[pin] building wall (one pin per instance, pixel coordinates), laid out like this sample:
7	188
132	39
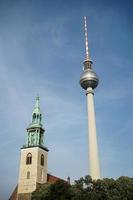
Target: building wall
14	194
38	173
26	196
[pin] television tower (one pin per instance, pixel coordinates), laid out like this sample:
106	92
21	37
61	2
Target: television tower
89	81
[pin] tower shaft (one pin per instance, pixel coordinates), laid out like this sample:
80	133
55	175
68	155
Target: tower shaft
92	137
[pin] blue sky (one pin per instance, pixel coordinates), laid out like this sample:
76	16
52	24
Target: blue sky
41	52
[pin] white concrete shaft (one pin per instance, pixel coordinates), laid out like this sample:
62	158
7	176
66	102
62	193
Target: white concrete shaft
92	137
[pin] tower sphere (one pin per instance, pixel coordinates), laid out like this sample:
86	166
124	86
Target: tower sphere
89	79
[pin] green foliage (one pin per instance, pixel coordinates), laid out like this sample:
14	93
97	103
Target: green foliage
41	192
60	190
86	189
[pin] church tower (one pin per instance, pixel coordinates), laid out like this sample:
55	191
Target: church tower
33	162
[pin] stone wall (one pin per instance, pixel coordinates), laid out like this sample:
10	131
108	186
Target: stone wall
26	196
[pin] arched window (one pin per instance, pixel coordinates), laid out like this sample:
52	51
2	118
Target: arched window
42	159
28	175
29	159
34	116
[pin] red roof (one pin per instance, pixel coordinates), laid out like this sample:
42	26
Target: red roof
53	179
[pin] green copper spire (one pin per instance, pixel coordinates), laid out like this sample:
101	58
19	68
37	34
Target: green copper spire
35	131
37	106
36	115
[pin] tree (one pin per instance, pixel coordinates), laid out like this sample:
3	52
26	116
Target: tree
87	189
60	190
42	192
125	187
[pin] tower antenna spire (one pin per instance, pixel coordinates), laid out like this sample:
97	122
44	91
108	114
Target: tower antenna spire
86	41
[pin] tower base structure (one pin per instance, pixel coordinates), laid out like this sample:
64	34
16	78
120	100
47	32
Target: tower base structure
27	196
33	170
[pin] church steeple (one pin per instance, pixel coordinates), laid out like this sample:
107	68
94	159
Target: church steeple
36	115
35	131
34	155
